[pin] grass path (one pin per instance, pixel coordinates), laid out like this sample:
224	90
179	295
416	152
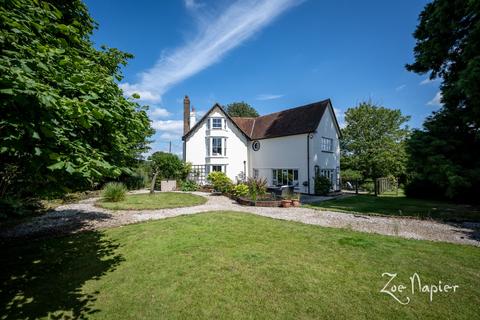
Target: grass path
86	216
232	265
160	200
401	206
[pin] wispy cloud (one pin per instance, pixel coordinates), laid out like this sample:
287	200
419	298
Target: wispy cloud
224	32
436	101
192	4
401	87
263	97
428	81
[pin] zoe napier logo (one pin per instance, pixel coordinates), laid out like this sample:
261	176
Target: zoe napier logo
402	291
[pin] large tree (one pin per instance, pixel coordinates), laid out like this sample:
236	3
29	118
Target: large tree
445	155
167	166
373	141
64	121
241	109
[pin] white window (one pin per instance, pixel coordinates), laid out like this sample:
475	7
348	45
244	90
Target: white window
217	146
327	144
330	175
216	123
255	173
216	167
285	177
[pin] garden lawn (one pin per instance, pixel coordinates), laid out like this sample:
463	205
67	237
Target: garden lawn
393	205
226	265
159	200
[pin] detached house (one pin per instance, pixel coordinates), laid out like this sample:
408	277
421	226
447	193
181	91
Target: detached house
288	147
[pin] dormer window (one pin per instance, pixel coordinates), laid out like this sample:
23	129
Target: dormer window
216	123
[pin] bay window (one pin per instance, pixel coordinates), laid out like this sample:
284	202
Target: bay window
217	146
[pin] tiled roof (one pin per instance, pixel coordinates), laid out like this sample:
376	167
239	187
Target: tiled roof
298	120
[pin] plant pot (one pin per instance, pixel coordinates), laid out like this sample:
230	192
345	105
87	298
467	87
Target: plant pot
296	203
286	203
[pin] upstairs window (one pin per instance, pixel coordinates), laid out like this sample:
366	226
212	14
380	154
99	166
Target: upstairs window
327	144
216	123
216	146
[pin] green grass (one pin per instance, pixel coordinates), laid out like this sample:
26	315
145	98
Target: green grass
231	265
161	200
393	205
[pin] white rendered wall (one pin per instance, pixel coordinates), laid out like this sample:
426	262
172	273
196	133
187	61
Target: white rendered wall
196	147
325	160
289	152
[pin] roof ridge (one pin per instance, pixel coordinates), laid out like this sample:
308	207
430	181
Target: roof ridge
306	105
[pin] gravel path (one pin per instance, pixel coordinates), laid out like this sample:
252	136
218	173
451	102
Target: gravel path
85	216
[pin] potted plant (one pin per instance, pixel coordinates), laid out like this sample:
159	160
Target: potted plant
296	200
287	201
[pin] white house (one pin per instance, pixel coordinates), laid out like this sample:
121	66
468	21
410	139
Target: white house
288	147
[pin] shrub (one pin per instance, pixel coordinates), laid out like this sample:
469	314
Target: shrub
423	189
114	192
257	187
15	207
188	185
368	186
220	181
322	185
240	190
134	182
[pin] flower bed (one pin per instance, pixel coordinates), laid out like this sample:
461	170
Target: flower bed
269	202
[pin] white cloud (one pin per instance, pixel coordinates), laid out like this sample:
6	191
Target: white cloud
340	117
436	101
146	95
159	112
169	136
192	4
263	97
172	126
401	87
224	32
428	81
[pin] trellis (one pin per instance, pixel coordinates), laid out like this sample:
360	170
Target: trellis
198	174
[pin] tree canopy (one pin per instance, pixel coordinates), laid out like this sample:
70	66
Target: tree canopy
445	154
241	109
373	141
64	121
167	166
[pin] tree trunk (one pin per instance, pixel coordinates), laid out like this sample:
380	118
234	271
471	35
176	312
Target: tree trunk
375	185
152	186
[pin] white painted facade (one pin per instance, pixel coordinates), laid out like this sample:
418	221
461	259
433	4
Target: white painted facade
198	148
298	156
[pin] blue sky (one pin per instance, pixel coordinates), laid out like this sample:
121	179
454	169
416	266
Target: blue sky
272	54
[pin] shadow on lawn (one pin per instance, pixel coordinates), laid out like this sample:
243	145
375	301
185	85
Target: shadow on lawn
44	278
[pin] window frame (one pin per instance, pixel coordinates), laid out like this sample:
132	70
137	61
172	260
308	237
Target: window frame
327	144
217	147
282	177
212	123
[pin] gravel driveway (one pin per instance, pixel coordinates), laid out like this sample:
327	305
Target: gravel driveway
85	216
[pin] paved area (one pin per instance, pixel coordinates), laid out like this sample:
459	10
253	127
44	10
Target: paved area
84	215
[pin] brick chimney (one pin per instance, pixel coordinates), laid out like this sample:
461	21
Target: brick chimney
186	115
